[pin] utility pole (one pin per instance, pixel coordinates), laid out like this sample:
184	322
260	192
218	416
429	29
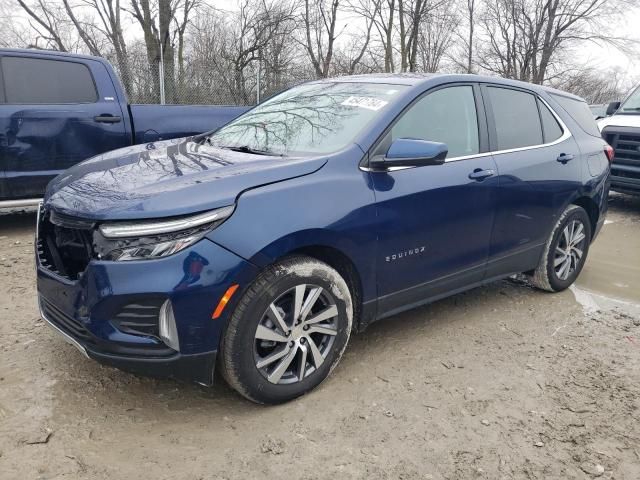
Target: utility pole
258	75
161	73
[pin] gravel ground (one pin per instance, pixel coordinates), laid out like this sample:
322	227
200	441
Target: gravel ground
500	382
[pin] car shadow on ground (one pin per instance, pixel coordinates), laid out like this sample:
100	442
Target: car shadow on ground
431	324
625	204
14	222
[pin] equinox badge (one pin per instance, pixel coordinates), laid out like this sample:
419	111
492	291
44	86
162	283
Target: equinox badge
406	253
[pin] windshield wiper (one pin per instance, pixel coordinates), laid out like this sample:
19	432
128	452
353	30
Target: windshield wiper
251	150
631	109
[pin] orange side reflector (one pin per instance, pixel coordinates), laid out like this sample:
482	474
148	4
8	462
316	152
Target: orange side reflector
224	300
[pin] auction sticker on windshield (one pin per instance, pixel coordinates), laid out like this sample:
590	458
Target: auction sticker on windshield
370	103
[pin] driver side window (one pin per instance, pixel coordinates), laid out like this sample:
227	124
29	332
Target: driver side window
448	116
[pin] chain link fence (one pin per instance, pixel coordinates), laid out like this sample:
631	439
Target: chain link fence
196	84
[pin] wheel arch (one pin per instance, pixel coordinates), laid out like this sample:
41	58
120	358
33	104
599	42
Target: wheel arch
592	209
339	253
341	263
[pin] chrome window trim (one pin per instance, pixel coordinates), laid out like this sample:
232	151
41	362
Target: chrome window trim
566	134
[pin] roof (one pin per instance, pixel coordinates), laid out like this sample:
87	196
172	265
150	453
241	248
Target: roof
415	79
51	53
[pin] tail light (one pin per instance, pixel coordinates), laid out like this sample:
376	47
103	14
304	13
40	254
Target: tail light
609	152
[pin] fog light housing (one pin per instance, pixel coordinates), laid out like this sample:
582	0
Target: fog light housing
168	329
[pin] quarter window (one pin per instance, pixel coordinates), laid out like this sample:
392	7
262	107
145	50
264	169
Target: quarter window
579	111
516	118
550	126
40	81
448	116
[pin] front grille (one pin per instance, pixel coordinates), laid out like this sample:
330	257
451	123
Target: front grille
63	244
64	322
76	329
626	144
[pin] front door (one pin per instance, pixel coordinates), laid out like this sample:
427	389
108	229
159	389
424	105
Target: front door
53	117
435	222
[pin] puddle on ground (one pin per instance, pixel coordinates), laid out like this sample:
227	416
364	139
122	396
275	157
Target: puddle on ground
591	302
613	265
611	276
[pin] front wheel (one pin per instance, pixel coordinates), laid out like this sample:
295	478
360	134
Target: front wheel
288	331
565	251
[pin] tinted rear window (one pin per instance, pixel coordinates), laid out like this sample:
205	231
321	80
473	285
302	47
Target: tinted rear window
580	112
40	81
516	117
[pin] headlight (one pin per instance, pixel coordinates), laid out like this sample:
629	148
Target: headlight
154	250
122	241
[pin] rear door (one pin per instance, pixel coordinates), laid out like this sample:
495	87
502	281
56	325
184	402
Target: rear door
539	171
434	222
56	112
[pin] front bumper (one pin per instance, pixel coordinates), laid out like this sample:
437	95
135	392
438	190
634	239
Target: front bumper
625	179
625	168
197	368
86	311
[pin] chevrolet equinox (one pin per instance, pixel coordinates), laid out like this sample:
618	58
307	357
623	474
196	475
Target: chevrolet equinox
256	249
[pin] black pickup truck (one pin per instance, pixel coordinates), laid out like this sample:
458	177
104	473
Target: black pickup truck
57	109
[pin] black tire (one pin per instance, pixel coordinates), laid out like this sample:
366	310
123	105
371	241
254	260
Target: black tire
545	276
240	349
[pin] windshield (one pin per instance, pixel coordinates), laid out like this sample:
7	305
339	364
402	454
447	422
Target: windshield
631	104
314	118
598	110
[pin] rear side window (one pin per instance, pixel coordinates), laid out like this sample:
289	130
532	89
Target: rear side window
550	126
580	112
41	81
516	118
448	116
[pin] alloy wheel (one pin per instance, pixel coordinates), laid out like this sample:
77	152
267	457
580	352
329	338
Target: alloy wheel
295	334
569	249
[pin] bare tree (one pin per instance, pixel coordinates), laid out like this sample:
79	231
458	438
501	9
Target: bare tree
109	26
468	42
351	58
411	14
230	45
320	19
186	8
525	37
596	86
48	21
435	37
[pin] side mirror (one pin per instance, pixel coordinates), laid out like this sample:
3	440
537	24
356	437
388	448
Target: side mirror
612	108
410	152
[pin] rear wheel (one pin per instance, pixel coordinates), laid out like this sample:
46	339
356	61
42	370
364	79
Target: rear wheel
288	331
565	251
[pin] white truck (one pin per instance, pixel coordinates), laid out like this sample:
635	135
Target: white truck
621	129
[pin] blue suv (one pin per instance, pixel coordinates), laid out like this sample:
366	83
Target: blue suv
258	248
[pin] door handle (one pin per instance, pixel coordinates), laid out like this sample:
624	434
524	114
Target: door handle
563	158
479	174
105	118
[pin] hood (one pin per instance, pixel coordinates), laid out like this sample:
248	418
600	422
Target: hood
620	121
163	179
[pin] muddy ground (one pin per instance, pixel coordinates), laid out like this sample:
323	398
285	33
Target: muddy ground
500	382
